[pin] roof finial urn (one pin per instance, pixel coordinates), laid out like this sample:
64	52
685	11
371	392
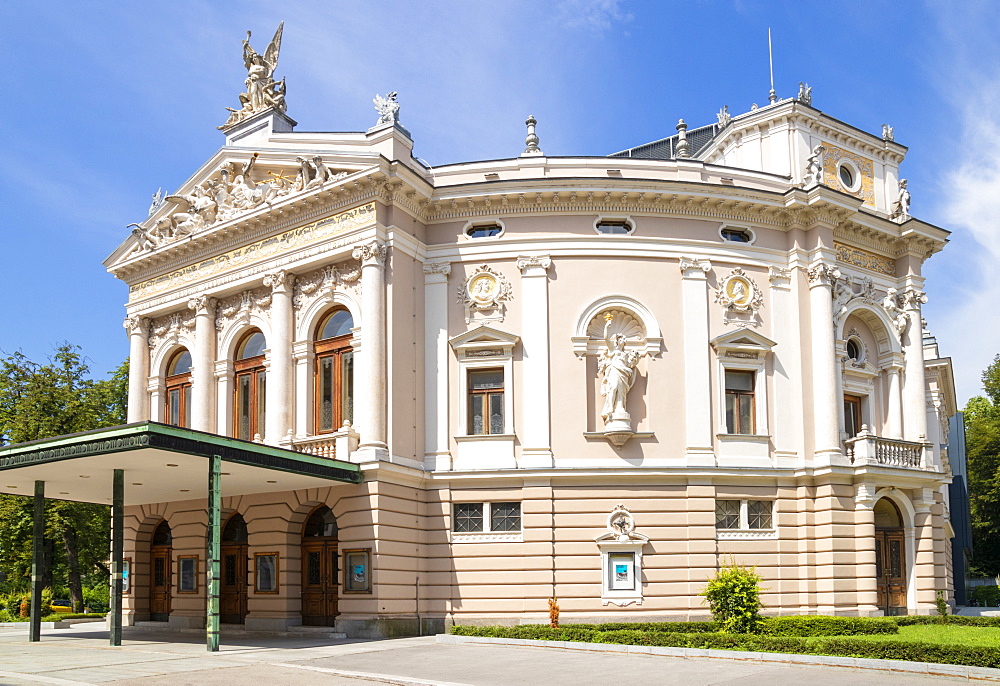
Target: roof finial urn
531	140
682	141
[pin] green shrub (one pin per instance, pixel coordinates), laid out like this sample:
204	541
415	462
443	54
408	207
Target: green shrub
986	596
827	626
5	616
671	627
733	595
46	600
959	620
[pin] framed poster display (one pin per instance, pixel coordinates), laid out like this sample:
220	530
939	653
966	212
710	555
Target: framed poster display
265	567
357	571
621	571
187	574
126	575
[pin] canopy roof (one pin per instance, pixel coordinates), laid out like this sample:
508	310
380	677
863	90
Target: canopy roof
162	463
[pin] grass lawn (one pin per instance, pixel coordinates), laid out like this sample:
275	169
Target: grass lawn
942	633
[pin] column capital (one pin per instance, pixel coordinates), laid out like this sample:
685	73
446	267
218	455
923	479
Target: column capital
534	265
822	275
136	326
202	305
694	268
437	268
779	277
279	281
370	254
913	298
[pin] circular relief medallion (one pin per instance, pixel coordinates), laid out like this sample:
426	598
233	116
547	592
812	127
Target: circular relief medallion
739	291
484	289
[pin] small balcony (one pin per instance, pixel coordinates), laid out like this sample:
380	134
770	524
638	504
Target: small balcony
334	446
868	449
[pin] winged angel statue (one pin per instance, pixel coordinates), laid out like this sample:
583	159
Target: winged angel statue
387	107
263	92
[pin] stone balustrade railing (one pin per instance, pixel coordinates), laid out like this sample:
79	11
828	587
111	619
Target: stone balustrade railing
337	445
868	449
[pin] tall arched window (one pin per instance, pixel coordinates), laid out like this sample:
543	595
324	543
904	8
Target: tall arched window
251	384
334	372
177	410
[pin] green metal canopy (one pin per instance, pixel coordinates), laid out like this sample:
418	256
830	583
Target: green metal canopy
161	463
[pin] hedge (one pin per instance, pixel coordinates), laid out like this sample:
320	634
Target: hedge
975	656
910	620
819	625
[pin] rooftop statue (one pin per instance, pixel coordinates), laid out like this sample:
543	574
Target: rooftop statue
262	92
388	109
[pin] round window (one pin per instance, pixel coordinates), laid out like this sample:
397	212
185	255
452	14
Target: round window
855	351
846	176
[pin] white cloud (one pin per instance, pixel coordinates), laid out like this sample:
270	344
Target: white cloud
595	15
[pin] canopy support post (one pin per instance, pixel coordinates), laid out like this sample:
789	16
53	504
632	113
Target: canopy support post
37	562
117	554
213	553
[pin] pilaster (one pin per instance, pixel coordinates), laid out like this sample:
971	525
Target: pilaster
372	391
699	448
437	455
536	449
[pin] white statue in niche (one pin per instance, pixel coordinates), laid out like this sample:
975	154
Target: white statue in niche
617	369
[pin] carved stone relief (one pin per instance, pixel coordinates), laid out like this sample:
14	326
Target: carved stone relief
740	298
238	308
485	294
323	283
167	329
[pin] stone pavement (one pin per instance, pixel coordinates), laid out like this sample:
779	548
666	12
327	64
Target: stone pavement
82	656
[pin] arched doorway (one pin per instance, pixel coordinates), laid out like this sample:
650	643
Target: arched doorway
235	547
159	573
319	568
890	558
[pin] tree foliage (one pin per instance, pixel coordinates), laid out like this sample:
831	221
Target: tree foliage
982	447
41	400
733	595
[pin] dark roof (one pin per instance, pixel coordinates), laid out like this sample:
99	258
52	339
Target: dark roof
665	148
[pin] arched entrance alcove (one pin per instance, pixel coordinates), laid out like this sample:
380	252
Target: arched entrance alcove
160	554
235	547
890	558
319	568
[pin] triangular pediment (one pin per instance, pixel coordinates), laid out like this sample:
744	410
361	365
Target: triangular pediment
744	340
484	338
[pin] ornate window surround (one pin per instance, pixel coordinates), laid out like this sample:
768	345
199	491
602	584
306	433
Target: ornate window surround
743	350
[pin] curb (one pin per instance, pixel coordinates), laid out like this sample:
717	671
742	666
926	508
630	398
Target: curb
961	672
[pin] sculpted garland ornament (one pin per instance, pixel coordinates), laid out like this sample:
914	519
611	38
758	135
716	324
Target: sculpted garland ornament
737	293
486	290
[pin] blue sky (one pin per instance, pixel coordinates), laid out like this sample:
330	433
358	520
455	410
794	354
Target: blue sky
106	102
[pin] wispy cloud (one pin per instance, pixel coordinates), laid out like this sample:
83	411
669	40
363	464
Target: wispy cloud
594	15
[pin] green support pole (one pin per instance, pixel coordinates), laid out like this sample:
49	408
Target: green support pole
117	554
37	560
213	552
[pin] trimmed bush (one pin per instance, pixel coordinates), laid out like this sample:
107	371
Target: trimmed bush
733	595
958	620
827	626
986	596
975	656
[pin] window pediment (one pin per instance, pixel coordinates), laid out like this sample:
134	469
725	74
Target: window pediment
742	343
484	341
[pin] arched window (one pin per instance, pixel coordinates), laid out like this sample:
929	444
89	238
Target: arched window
177	410
334	401
235	530
321	523
162	535
251	383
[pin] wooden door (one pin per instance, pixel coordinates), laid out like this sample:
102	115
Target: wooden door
319	581
890	570
159	583
233	596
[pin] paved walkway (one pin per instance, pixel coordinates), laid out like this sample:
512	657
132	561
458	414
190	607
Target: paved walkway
82	656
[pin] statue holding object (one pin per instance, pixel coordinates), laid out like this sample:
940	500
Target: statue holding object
262	91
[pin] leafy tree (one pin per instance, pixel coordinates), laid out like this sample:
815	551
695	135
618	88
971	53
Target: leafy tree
40	401
733	595
982	441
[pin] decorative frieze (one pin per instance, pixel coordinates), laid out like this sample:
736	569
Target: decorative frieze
238	308
167	329
857	257
323	283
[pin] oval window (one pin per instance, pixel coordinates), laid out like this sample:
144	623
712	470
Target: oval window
854	350
846	176
736	235
614	227
483	231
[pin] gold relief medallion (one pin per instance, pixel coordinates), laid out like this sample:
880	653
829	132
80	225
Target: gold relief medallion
739	291
740	298
483	289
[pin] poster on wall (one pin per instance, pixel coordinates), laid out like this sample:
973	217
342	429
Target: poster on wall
188	576
358	571
621	572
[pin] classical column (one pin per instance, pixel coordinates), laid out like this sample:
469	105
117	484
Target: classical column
279	377
203	357
436	440
894	425
536	449
826	433
697	379
138	368
213	553
914	393
372	391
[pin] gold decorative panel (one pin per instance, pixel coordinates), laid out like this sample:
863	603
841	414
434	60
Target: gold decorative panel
864	259
831	160
257	251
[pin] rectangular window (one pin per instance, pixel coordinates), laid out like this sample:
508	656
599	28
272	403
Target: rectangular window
852	415
487	518
486	402
187	574
265	572
740	402
744	515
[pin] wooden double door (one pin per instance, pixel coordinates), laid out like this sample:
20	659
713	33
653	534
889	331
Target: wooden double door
159	583
233	594
890	570
319	581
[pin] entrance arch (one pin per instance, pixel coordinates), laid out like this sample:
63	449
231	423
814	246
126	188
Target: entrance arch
890	558
319	568
160	554
235	549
